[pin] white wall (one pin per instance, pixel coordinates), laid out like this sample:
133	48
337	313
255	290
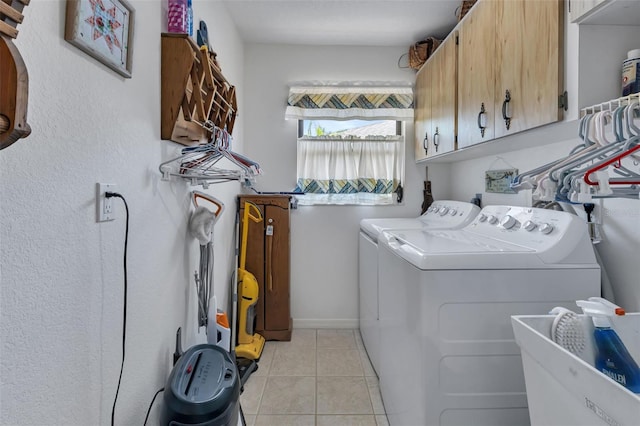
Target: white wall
62	273
324	239
602	49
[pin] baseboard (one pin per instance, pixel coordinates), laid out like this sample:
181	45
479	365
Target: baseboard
325	323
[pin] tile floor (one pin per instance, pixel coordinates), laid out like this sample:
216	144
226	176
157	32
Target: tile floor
319	378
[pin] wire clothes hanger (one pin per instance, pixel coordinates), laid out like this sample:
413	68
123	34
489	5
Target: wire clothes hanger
199	163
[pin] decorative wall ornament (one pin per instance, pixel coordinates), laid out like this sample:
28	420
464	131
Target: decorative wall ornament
14	79
499	181
102	29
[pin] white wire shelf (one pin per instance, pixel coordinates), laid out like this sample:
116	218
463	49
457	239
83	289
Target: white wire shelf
610	105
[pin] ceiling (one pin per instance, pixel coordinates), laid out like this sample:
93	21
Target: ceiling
342	22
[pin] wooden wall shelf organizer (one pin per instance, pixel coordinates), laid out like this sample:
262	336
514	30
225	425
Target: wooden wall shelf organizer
195	95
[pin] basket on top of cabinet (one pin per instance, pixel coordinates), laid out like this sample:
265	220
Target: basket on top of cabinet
195	96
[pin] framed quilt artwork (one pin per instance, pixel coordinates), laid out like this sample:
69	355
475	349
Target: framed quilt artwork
102	29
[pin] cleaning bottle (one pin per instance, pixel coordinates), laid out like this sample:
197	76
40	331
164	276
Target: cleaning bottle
613	358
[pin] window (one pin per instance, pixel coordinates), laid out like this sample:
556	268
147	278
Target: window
349	162
350	147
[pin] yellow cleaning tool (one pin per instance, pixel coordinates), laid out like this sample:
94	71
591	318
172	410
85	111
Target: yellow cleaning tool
250	344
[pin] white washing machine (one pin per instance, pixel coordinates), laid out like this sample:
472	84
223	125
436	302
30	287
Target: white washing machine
440	215
447	350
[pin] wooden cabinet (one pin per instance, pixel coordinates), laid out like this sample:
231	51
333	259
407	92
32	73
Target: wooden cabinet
510	68
435	98
268	259
529	77
422	117
443	98
476	75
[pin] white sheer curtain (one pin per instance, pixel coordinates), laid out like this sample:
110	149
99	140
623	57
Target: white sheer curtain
344	171
363	170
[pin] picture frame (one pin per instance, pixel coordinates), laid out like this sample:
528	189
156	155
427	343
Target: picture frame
102	29
499	181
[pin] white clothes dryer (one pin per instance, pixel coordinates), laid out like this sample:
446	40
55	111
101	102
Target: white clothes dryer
448	355
440	215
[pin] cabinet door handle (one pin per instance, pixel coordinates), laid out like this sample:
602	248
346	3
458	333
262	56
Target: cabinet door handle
425	143
482	120
436	139
506	109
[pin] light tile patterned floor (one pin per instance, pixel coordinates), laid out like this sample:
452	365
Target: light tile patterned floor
319	378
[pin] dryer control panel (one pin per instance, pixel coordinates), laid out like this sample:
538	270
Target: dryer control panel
449	214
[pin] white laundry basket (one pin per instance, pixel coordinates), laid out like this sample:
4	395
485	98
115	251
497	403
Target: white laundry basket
563	389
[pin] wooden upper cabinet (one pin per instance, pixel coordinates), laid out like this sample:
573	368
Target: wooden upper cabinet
435	100
443	98
476	75
422	124
529	64
505	75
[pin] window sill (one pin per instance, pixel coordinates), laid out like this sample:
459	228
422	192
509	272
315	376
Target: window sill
361	199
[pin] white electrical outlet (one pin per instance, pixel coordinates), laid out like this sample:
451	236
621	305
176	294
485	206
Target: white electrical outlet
104	205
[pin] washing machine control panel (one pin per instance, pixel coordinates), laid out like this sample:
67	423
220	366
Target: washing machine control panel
530	227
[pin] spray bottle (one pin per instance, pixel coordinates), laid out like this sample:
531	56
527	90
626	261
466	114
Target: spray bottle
613	358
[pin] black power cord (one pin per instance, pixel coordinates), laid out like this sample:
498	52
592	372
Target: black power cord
124	315
151	405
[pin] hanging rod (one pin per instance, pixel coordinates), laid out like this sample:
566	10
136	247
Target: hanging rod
610	105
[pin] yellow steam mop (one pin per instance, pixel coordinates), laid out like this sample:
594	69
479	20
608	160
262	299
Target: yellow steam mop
250	344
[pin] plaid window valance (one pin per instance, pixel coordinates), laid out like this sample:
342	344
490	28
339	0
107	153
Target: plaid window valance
341	102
